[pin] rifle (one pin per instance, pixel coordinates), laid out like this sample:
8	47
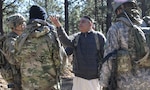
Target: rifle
112	79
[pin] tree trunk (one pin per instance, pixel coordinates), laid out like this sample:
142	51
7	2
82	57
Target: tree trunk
96	13
109	14
66	17
1	18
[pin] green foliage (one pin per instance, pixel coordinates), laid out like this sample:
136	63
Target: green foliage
92	8
97	9
8	8
11	6
51	6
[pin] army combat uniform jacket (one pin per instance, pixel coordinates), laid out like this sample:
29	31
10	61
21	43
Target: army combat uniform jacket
129	77
10	71
38	57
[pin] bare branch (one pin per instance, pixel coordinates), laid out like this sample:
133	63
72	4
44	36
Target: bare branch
9	4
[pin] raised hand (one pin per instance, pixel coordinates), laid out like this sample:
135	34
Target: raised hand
55	21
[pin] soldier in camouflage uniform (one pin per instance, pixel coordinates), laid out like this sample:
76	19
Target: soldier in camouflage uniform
38	53
9	71
129	75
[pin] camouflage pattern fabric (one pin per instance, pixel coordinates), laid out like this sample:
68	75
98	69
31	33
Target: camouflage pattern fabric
14	20
136	79
8	47
39	60
9	71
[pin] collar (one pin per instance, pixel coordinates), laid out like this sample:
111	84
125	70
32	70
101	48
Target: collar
125	20
88	31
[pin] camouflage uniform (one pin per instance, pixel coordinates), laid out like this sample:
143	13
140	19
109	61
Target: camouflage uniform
137	79
9	70
38	57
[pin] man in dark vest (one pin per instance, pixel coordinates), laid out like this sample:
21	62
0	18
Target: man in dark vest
86	57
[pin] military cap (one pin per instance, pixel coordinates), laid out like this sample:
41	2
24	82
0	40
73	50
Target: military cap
15	20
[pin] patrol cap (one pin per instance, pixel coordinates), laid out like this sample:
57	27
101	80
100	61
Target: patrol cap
15	20
117	3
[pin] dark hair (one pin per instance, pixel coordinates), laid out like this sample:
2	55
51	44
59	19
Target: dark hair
89	18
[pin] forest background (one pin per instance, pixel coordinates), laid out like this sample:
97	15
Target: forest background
69	11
